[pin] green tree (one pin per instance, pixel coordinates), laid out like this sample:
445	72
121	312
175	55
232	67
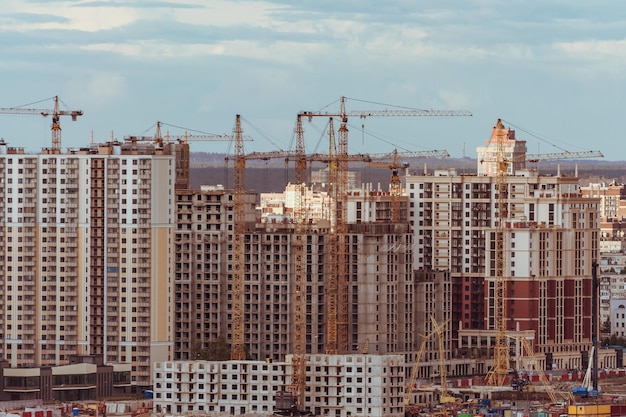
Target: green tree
606	326
219	350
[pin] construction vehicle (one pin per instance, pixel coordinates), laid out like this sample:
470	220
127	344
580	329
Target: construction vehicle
444	397
438	329
55	112
505	166
524	382
586	389
589	387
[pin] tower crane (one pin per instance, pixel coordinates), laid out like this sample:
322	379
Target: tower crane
298	284
504	166
297	385
392	161
337	284
238	351
55	112
182	155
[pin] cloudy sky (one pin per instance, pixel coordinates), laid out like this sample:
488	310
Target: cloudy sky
555	70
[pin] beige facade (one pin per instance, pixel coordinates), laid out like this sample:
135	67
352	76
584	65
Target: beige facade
612	199
85	255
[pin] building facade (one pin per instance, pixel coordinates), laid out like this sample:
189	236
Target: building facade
337	385
612	199
379	280
84	255
551	241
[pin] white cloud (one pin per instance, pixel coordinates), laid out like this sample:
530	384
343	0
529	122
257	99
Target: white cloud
195	61
101	87
88	19
594	50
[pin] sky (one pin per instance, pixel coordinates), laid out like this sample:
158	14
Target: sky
553	70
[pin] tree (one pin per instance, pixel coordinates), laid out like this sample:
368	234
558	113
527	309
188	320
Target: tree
219	350
606	326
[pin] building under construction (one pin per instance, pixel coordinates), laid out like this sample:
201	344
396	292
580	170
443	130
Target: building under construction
405	282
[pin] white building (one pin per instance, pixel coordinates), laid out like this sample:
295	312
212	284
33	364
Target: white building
279	207
234	387
612	275
514	150
337	385
618	317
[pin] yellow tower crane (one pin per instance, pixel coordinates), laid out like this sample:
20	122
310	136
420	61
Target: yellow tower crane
238	351
298	283
55	112
337	283
504	166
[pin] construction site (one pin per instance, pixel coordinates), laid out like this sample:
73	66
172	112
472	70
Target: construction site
444	293
364	312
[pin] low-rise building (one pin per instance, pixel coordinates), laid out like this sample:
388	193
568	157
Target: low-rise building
337	385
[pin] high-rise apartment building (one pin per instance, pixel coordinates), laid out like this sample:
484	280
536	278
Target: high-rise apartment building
379	278
551	241
612	199
85	254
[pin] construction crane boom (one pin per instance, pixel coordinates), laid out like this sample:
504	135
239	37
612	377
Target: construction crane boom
206	137
337	281
563	155
55	112
160	139
387	113
539	157
438	329
444	397
408	391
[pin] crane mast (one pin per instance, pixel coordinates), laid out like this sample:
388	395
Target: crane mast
238	351
334	275
500	368
298	283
